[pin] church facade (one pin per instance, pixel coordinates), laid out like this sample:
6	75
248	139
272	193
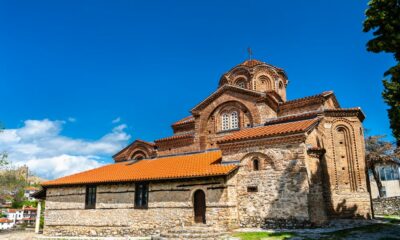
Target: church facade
245	157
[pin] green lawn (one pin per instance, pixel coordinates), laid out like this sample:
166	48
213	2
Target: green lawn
264	235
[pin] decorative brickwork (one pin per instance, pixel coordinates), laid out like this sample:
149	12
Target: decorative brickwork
279	164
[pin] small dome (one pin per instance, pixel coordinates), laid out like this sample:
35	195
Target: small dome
251	63
258	76
250	67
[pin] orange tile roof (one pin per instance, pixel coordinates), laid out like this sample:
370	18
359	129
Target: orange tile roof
173	167
271	130
174	137
5	220
184	120
31	188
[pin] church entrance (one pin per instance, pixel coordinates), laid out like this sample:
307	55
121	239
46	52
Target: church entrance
199	203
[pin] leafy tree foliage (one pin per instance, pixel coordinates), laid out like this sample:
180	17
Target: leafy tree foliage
380	152
383	19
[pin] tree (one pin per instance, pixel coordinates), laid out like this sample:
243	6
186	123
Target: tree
383	18
380	152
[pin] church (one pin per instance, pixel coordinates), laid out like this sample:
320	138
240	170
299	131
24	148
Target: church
244	157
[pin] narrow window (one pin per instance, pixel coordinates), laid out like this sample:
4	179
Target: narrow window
225	121
234	120
252	189
280	85
90	199
256	165
141	195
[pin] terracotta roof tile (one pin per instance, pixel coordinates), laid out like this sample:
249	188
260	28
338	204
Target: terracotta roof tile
172	167
187	119
5	220
30	188
314	98
174	137
270	130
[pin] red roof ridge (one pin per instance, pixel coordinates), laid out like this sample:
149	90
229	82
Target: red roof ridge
323	94
176	136
184	120
279	129
293	117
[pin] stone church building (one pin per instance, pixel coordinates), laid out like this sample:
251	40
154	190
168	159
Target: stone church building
245	157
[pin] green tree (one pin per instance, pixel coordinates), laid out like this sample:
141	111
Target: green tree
379	152
383	19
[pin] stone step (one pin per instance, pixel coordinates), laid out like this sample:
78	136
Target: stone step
192	235
194	232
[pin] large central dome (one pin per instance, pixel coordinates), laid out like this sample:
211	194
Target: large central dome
257	76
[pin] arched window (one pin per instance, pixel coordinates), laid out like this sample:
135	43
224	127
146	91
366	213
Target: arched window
234	120
256	165
280	85
225	121
241	84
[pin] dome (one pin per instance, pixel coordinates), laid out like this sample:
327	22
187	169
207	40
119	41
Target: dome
258	76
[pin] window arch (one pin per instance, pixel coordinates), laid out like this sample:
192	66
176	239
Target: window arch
266	82
234	120
230	120
241	84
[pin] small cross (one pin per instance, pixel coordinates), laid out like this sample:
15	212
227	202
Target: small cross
250	52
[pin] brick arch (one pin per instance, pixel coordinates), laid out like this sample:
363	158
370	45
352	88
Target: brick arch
217	105
239	73
344	129
138	150
264	160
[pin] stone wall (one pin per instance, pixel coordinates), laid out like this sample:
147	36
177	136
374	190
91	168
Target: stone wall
276	195
386	206
170	205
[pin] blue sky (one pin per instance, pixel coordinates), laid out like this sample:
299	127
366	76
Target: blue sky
83	64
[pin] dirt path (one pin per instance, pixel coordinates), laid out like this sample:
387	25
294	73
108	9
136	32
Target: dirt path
18	235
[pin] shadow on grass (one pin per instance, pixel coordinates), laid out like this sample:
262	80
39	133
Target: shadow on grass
366	231
265	235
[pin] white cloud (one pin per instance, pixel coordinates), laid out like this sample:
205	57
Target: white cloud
40	145
117	120
71	119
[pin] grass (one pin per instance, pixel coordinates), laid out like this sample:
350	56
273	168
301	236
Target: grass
264	235
392	218
342	234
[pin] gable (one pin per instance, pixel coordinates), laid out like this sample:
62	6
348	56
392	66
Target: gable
223	90
146	149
